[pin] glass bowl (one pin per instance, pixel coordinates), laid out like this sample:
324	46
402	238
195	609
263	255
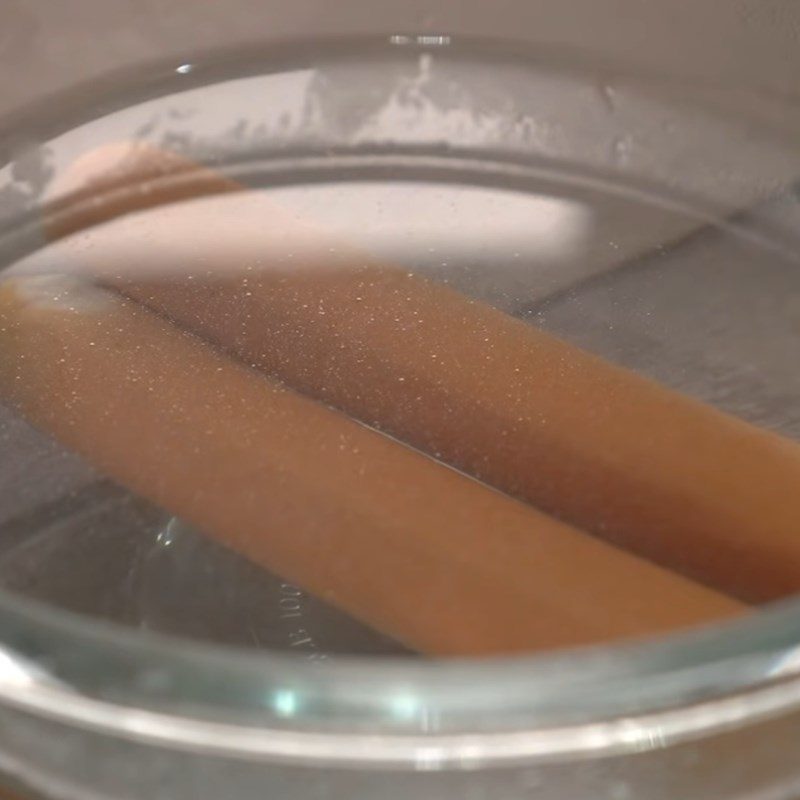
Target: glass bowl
563	186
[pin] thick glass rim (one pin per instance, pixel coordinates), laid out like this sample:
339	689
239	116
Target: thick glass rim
382	712
390	711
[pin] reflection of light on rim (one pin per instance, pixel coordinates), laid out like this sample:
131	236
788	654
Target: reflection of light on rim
405	706
285	702
410	708
167	536
787	663
13	672
429	40
19	672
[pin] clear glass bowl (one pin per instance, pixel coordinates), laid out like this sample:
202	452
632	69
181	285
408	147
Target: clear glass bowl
610	171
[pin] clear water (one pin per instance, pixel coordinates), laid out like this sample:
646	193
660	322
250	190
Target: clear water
710	310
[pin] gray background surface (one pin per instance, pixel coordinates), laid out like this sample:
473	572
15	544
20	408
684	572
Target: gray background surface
46	44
